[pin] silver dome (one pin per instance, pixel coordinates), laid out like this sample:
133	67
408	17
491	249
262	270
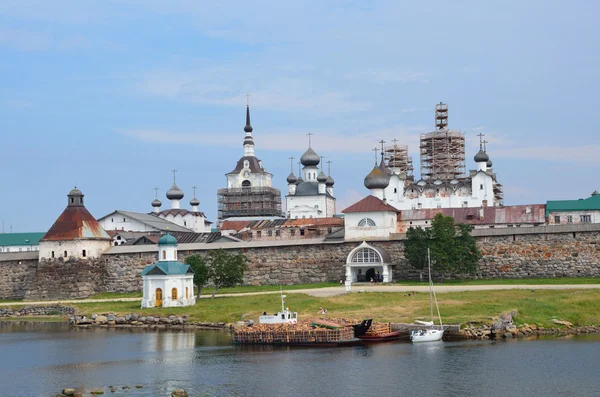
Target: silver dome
174	193
156	203
291	178
329	181
377	179
299	181
321	177
310	158
489	164
75	192
194	202
481	157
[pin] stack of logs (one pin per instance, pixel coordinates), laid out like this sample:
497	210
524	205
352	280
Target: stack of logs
290	333
379	328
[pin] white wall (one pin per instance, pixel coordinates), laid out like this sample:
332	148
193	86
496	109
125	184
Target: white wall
385	224
258	179
190	221
19	248
74	248
167	283
122	222
575	217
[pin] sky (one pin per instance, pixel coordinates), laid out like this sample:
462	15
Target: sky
111	95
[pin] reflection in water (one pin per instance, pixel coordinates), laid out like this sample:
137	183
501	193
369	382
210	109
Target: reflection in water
205	363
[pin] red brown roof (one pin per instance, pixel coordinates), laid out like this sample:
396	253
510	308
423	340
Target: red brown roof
370	204
75	223
234	225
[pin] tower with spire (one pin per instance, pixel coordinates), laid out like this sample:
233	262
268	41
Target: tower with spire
249	193
310	195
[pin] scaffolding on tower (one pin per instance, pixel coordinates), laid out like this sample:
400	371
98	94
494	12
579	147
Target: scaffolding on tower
398	161
442	150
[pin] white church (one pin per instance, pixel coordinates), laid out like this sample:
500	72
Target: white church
311	194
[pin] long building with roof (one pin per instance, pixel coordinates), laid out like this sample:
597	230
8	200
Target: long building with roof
249	192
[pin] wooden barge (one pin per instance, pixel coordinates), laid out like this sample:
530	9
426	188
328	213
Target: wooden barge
295	335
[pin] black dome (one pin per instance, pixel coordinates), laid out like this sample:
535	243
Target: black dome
481	157
377	179
310	158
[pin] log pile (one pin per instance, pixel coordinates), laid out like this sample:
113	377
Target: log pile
291	333
379	328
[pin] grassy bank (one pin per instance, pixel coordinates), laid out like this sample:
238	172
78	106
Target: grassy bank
515	281
534	306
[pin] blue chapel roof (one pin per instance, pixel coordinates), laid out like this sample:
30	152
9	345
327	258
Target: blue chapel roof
167	268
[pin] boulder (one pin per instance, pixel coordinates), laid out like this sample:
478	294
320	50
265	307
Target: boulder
100	320
111	317
179	393
68	392
134	317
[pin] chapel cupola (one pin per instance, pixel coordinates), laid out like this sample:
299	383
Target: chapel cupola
174	194
248	140
75	198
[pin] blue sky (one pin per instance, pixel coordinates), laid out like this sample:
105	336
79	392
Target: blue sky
112	95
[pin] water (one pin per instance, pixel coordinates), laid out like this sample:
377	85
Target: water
42	359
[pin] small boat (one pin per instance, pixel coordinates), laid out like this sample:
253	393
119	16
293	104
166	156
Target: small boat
285	316
378	332
431	332
384	337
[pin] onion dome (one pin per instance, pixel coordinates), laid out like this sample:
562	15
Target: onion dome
291	178
299	181
329	181
248	127
321	178
174	193
310	158
377	179
167	239
194	202
481	157
489	164
595	193
156	203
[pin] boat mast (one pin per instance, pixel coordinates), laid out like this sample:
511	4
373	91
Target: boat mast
282	297
430	284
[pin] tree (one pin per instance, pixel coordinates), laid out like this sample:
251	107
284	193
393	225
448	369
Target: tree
452	248
201	271
226	269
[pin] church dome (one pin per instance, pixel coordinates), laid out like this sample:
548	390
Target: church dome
322	177
377	179
329	181
174	193
481	157
291	178
75	192
167	239
310	158
194	202
299	181
489	163
156	203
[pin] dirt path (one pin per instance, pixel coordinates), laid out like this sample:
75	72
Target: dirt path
333	291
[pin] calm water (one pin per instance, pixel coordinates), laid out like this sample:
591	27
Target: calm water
42	359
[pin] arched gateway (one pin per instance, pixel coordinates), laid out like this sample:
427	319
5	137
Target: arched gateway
366	261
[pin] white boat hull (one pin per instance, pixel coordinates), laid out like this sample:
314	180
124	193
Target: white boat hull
430	335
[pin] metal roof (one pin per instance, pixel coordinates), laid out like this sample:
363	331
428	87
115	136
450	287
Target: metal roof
182	212
370	204
182	238
12	239
166	268
74	223
282	223
151	220
589	204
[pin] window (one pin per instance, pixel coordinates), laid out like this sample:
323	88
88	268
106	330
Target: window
118	237
246	183
395	190
51	254
480	187
65	254
277	232
184	223
329	230
164	254
439	206
302	232
174	294
365	255
419	205
258	234
83	253
72	201
585	218
270	233
366	222
556	218
569	219
21	250
123	219
292	232
112	220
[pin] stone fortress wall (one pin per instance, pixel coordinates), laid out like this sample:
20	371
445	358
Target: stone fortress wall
556	251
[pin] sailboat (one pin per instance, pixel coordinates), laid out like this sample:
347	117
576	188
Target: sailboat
431	332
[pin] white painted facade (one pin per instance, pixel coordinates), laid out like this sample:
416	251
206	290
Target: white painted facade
319	206
78	248
19	248
183	284
475	191
168	290
571	217
247	178
365	262
119	221
369	225
190	220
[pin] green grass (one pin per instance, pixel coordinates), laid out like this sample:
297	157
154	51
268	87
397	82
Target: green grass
116	295
534	306
266	288
519	281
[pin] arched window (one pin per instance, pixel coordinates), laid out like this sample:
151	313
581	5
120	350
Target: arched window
246	183
164	254
174	294
366	222
366	255
52	254
65	254
83	253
